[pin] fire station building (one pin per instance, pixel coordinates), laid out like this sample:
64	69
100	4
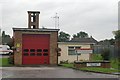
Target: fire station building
34	45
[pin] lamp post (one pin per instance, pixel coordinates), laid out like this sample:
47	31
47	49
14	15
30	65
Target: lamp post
76	54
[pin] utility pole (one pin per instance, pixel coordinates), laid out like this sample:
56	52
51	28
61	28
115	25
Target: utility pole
76	53
56	17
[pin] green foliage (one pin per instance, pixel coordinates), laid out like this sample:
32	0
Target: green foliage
107	42
105	54
117	34
103	70
81	35
63	37
112	41
94	69
67	65
115	63
6	39
10	60
96	57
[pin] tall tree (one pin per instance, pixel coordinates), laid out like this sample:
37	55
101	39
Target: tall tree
3	34
117	34
105	54
6	39
117	42
107	42
81	34
63	37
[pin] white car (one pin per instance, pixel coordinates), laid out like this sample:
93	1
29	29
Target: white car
5	49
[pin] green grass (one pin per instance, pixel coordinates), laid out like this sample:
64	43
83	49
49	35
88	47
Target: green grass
96	57
4	62
67	65
94	69
104	70
115	63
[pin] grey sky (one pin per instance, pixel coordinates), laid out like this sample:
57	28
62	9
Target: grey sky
96	17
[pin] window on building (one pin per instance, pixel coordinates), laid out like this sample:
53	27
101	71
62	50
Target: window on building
45	54
77	47
45	50
32	50
26	50
26	54
72	50
39	50
32	54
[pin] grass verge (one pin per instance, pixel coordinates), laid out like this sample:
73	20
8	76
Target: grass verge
93	69
4	62
102	70
67	65
115	63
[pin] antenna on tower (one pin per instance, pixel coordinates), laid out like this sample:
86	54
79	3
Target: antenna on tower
56	17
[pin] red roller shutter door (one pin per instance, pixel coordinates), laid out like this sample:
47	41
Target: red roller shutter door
35	49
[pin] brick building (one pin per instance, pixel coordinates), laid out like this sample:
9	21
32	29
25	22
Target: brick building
34	45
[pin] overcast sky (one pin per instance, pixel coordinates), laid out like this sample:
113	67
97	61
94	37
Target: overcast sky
96	17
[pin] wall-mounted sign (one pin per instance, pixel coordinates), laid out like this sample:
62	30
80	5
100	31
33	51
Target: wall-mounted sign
93	64
18	45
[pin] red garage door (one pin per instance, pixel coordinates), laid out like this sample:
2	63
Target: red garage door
35	49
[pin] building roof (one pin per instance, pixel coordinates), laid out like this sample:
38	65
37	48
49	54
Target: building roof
36	30
81	41
84	40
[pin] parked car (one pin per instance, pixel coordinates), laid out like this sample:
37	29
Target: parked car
5	49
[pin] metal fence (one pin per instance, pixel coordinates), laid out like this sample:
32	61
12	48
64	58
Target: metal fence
114	51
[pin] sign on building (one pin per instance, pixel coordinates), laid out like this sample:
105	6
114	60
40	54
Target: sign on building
93	64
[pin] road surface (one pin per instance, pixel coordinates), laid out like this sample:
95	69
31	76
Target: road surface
49	72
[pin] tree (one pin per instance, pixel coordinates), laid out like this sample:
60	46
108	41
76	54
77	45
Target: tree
3	34
105	54
6	39
117	34
107	42
117	43
63	37
81	35
112	41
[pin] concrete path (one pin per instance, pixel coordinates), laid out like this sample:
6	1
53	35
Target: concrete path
49	72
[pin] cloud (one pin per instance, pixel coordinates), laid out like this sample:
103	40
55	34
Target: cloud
97	17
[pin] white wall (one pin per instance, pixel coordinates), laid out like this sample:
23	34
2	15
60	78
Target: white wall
71	58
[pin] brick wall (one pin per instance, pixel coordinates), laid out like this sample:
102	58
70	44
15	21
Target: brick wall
18	45
84	64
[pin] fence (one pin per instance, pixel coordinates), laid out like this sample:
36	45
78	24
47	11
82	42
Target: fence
97	49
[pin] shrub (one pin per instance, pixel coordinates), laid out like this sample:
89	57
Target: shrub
96	57
115	63
105	54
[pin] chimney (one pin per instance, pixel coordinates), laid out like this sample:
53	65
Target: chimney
33	19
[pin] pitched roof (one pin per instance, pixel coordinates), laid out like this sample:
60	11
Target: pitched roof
84	40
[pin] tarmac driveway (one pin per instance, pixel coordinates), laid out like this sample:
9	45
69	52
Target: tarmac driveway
49	72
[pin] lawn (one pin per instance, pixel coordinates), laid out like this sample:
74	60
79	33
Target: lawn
93	69
67	65
4	62
115	63
103	70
